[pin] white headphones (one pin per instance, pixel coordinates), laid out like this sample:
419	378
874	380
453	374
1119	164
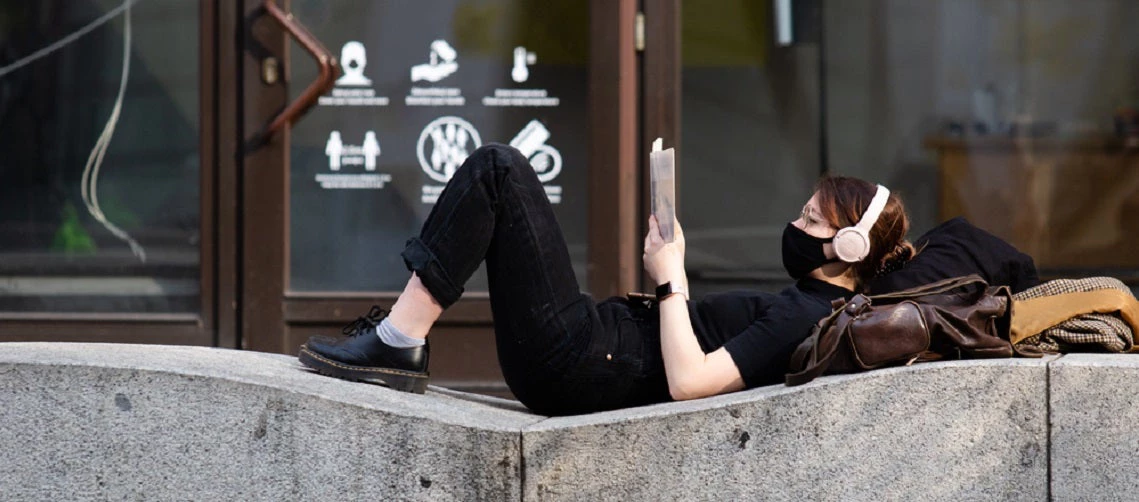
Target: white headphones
852	244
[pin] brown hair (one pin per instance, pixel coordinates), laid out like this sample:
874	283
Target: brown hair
843	200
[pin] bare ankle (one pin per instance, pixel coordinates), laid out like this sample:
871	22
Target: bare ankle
415	311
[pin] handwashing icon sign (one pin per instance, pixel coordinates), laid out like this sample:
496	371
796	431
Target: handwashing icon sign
439	66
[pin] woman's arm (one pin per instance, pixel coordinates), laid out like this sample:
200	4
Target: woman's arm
691	373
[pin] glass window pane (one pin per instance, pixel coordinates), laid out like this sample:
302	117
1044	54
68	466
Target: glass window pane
750	143
424	84
1026	125
99	207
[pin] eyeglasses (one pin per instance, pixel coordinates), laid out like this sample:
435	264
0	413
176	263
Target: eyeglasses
805	213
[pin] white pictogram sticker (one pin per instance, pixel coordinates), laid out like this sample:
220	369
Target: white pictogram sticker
341	156
522	62
333	148
353	88
371	150
441	63
520	73
531	141
353	59
443	146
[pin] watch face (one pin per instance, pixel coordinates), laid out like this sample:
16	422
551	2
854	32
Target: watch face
664	290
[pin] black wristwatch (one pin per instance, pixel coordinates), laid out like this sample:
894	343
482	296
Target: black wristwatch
668	289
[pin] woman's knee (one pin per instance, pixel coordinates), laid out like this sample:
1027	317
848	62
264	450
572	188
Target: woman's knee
498	158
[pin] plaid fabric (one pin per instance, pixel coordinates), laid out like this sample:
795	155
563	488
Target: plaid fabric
1087	332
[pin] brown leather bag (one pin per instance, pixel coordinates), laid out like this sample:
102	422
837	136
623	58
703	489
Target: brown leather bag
956	318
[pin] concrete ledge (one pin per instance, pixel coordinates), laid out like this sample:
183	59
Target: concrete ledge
965	430
1095	427
91	421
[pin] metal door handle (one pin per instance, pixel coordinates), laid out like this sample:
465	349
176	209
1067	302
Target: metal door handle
325	61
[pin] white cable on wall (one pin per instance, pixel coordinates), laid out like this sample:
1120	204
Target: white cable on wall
89	183
61	43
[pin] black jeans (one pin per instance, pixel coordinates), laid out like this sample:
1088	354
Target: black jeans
561	353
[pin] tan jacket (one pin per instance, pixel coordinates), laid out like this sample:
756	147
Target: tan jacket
1030	317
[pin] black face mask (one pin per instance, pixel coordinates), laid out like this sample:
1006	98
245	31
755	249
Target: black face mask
803	252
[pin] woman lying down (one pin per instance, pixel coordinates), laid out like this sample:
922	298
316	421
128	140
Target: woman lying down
563	353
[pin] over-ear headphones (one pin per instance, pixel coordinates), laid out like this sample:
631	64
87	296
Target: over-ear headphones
852	244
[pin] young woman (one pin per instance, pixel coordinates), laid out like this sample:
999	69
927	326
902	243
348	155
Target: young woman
563	353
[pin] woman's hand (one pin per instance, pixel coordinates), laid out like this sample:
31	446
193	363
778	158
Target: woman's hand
664	261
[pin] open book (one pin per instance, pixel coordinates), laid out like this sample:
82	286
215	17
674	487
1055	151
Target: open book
662	172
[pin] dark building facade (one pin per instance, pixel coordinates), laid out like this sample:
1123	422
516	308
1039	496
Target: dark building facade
244	174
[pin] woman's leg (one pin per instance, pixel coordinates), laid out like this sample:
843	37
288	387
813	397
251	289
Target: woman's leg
494	208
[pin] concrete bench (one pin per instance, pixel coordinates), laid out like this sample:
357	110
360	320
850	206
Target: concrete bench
158	422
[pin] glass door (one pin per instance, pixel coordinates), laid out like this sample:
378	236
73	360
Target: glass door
331	200
746	117
423	85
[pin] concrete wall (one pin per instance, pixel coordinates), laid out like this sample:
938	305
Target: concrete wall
89	421
1095	427
122	422
953	431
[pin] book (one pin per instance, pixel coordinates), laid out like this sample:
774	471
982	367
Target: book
662	172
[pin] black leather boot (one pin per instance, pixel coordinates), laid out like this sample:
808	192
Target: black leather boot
364	357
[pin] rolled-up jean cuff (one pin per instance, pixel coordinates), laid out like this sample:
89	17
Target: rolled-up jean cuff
420	259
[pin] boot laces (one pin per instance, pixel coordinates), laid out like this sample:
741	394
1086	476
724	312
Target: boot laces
365	322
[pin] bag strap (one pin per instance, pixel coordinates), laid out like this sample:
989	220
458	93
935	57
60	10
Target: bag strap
935	288
803	351
824	340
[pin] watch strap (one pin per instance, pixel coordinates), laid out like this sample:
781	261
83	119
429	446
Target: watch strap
668	289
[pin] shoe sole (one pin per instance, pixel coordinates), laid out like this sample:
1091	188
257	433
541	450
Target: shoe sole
401	380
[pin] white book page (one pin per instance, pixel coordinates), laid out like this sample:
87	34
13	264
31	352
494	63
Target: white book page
662	172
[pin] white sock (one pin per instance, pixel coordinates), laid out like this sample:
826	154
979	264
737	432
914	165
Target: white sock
393	337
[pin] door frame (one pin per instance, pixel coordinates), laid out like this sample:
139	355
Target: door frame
660	92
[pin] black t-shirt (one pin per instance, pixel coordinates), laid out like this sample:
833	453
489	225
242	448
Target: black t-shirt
761	330
956	248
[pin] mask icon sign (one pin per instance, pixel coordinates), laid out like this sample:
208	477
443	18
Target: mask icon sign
353	59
